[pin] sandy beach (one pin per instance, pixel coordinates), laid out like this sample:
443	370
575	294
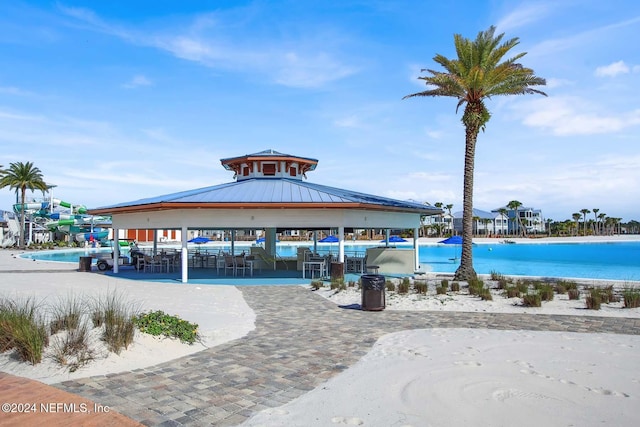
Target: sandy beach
425	377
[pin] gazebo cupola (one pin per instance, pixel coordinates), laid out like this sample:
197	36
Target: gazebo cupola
269	164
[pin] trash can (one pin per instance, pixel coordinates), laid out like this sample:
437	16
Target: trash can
373	297
337	271
85	263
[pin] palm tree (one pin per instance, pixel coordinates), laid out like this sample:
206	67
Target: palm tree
584	222
503	214
595	215
23	176
601	217
514	205
477	74
576	217
448	208
439	205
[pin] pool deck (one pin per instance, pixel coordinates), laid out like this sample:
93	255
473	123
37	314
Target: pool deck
225	385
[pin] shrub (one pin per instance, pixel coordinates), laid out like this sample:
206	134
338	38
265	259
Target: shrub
338	284
317	284
66	314
532	300
352	283
119	329
545	290
631	297
23	329
522	286
594	299
560	288
455	286
403	287
496	277
390	286
574	294
441	290
160	323
567	284
511	292
485	294
475	286
72	348
421	287
445	283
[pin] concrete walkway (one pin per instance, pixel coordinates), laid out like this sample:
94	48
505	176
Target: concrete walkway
299	342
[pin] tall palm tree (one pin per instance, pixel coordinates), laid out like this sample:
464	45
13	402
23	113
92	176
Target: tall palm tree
576	217
448	208
595	215
22	177
478	73
503	214
584	222
601	217
514	205
439	205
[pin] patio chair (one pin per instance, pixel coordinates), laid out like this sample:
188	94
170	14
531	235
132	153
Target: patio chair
229	264
241	264
151	263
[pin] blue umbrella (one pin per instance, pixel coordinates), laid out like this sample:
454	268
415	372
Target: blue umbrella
199	240
395	239
453	240
262	240
329	239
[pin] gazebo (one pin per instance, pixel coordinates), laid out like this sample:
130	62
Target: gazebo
269	192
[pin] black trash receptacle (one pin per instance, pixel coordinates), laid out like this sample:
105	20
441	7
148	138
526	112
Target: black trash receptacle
85	263
373	297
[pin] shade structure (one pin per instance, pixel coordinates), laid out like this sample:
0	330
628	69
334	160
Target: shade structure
262	240
199	240
329	239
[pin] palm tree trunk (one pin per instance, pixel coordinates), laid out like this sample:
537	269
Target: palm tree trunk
23	214
465	271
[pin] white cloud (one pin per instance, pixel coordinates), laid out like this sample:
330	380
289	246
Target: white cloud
612	70
137	81
527	14
308	64
575	116
11	90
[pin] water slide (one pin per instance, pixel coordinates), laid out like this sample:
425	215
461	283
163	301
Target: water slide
77	223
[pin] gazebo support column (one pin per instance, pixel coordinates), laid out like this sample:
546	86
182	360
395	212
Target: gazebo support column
341	244
184	256
416	249
116	251
270	242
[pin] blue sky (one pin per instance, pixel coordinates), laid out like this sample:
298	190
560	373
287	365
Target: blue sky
118	101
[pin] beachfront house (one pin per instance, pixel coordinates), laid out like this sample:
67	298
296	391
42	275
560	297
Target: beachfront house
484	223
529	218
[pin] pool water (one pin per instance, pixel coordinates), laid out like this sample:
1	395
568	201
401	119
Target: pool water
615	261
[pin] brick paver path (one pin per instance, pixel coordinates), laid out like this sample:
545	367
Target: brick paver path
299	342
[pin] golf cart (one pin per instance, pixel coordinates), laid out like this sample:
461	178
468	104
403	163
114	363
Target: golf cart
105	260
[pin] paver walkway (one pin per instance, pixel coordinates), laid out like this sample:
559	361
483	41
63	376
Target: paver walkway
299	342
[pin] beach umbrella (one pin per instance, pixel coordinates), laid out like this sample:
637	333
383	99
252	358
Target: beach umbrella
262	240
394	239
198	240
329	239
453	240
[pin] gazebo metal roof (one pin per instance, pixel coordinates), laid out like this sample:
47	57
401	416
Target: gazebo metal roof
265	193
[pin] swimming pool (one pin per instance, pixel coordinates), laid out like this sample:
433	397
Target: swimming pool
615	261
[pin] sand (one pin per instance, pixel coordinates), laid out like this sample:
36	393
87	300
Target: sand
435	377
